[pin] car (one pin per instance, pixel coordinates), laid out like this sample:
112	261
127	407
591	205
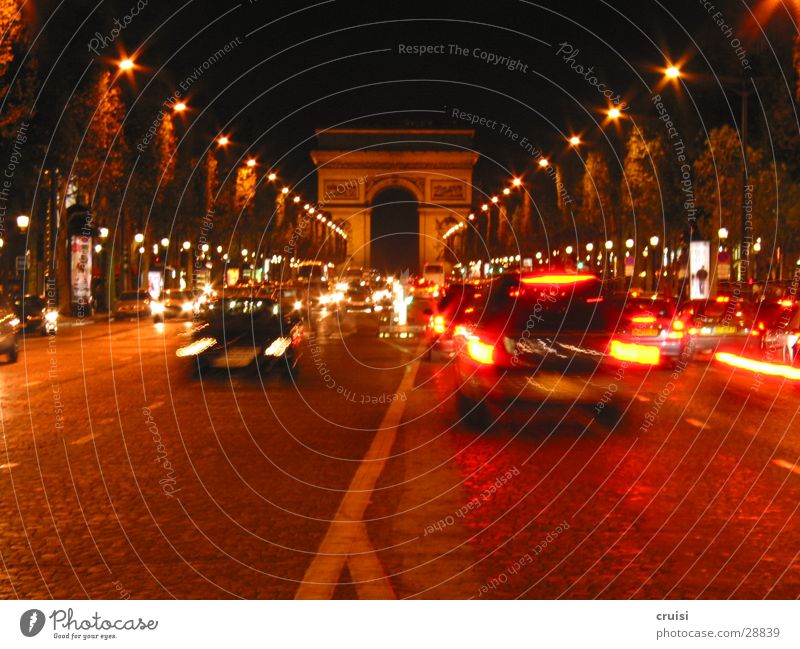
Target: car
358	299
175	303
245	328
542	338
132	304
289	297
649	320
721	324
780	339
461	303
9	322
35	315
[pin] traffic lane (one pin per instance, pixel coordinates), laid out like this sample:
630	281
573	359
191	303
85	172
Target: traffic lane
216	487
686	506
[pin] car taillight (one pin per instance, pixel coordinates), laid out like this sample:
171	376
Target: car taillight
480	351
643	319
557	279
439	324
677	325
632	353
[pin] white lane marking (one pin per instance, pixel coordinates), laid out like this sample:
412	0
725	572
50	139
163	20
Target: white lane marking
344	536
10	465
695	422
644	399
84	439
155	404
30	384
366	570
783	464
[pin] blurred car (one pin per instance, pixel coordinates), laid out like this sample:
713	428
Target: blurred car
289	297
651	321
8	331
175	303
722	324
780	338
358	299
132	304
422	288
245	328
35	315
461	304
540	338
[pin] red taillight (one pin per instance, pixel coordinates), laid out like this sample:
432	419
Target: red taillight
594	300
557	279
723	298
439	324
632	353
755	332
786	303
480	351
770	369
643	319
677	325
469	309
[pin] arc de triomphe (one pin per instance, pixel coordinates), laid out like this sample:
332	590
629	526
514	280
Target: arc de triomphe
434	166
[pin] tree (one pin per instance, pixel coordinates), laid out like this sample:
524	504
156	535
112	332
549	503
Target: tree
597	196
17	68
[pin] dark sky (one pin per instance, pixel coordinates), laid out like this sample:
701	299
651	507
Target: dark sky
300	66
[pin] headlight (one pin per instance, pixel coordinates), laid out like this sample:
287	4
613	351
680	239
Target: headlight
196	347
298	305
156	308
278	346
341	286
14	322
324	299
186	307
51	316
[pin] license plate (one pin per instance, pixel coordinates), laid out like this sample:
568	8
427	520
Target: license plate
724	330
645	332
234	358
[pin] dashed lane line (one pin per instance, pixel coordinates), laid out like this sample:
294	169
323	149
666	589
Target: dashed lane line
695	422
346	541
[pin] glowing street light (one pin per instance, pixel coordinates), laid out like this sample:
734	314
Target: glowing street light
219	249
544	162
126	64
516	182
574	140
654	241
506	191
495	199
471	216
164	242
186	245
244	252
138	237
23	221
141	250
296	199
103	233
723	233
589	247
204	247
179	107
672	72
485	207
568	250
629	243
609	244
222	140
272	177
285	190
614	113
251	162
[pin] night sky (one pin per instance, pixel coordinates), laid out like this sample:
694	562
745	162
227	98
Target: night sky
293	67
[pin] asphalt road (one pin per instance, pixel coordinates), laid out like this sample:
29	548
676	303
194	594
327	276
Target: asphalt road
123	476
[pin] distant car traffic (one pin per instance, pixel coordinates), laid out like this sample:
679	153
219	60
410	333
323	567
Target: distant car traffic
721	324
35	316
462	303
358	299
541	338
650	321
175	303
8	331
246	328
132	304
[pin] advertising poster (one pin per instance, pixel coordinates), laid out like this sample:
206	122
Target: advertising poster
81	269
699	263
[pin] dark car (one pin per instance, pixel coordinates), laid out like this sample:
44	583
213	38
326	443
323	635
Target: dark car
649	320
245	328
461	304
175	303
781	338
35	315
9	321
358	298
132	304
722	324
541	338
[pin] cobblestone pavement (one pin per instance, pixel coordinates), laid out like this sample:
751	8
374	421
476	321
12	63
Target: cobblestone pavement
121	475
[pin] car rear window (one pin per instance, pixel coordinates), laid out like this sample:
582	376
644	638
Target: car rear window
660	308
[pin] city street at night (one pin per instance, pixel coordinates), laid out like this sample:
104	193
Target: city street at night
162	485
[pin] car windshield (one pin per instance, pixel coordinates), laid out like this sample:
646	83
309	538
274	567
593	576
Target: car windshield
30	303
132	295
660	308
548	303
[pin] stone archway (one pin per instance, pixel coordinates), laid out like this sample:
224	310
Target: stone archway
355	165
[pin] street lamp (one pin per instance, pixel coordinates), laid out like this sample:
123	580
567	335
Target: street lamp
589	247
165	242
222	140
672	72
186	245
23	221
126	64
179	107
575	140
568	250
614	113
272	177
138	237
609	244
516	182
723	233
544	162
103	233
654	241
629	243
